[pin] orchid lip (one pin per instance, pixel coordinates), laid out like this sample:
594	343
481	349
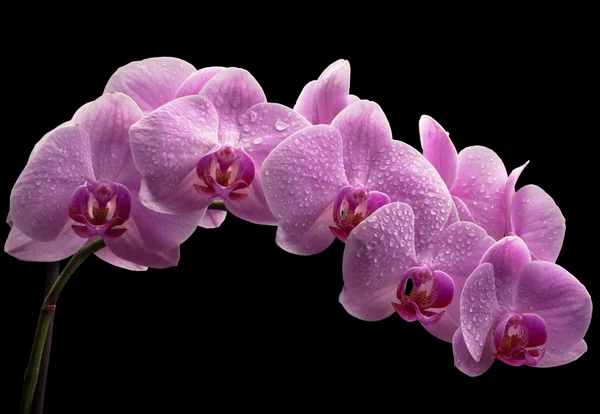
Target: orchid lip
225	173
100	206
520	339
353	205
428	296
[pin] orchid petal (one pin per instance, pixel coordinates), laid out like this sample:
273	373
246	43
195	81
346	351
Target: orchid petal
24	248
254	207
151	82
196	81
304	104
330	93
463	211
465	362
375	308
213	219
509	193
110	258
438	149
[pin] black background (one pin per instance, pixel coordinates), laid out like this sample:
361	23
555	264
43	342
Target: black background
242	323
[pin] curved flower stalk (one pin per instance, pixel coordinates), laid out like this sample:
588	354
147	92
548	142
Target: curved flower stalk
484	194
154	82
520	311
80	184
325	180
323	99
211	146
385	270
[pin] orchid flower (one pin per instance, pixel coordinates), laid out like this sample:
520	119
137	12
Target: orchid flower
485	195
80	184
520	311
325	180
211	146
385	269
321	100
154	82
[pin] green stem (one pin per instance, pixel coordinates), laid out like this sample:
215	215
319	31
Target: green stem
217	205
46	317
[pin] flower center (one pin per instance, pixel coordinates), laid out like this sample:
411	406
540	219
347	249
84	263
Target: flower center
353	205
520	339
423	294
224	173
100	206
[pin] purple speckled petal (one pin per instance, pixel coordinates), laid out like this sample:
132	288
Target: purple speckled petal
150	82
438	149
375	259
301	178
509	192
465	362
365	132
480	184
213	219
39	200
539	222
479	309
463	211
168	143
564	304
196	81
304	104
507	256
330	93
232	92
265	125
24	248
405	175
107	121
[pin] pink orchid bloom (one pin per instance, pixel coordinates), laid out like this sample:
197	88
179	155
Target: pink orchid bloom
386	269
211	146
520	311
484	194
154	82
321	100
80	183
325	180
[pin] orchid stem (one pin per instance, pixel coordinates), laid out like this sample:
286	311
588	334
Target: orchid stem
45	320
52	271
217	205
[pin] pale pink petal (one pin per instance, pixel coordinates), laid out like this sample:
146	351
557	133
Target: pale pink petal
162	232
253	208
265	125
480	184
539	222
24	248
39	201
375	259
182	199
107	121
132	248
509	193
479	309
405	175
438	149
375	308
463	211
301	178
110	258
465	362
366	132
555	360
150	82
453	217
564	304
445	328
168	143
196	81
304	104
507	256
213	219
352	99
330	94
232	92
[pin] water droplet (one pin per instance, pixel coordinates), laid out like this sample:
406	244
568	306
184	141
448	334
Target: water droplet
257	141
281	126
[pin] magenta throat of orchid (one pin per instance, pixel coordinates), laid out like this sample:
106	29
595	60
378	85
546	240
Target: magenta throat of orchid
225	173
353	205
423	294
100	206
520	339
